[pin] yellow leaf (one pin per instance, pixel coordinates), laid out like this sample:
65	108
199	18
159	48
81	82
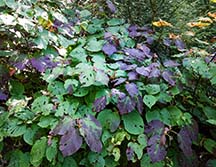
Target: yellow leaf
213	15
173	36
198	24
205	19
189	33
214	1
161	23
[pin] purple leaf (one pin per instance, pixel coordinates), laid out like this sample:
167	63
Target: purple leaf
154	73
132	89
143	71
186	136
145	50
135	54
140	107
153	126
99	104
126	104
22	64
126	67
91	130
132	28
42	63
107	35
3	96
155	149
167	76
134	34
70	141
118	81
167	41
180	44
149	40
111	6
57	23
109	49
116	92
171	63
129	153
132	76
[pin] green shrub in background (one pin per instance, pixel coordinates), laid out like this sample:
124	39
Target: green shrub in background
80	90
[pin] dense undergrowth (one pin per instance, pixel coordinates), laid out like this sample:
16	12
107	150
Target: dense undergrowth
82	87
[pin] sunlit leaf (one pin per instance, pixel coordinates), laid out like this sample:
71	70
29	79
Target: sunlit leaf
161	23
198	24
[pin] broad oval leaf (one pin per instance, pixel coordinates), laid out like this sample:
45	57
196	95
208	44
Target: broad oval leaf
109	119
71	140
132	89
133	123
149	100
38	151
91	130
109	49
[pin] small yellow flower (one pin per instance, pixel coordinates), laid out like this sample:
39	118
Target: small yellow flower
161	23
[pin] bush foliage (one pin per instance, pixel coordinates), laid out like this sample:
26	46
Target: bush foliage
82	87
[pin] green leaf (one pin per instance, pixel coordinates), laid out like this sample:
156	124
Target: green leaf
85	13
38	151
210	145
133	123
47	121
116	153
152	89
146	162
94	46
29	135
65	42
211	121
69	161
152	115
87	78
209	112
149	100
3	117
86	74
41	105
14	128
109	119
81	92
79	54
11	4
137	148
52	151
175	116
96	160
42	40
211	163
213	80
56	88
101	78
142	140
115	22
19	159
16	88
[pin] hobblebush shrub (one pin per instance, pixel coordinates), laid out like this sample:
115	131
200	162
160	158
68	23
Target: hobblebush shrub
80	90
